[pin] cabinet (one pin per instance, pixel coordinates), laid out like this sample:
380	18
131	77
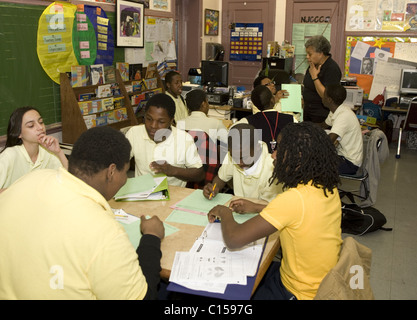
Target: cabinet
73	121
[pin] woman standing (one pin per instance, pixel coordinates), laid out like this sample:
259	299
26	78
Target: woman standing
322	71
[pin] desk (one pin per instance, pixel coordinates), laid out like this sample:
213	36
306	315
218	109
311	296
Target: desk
184	239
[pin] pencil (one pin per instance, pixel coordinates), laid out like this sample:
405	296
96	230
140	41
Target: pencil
211	194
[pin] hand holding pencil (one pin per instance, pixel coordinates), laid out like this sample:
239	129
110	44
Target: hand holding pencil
210	191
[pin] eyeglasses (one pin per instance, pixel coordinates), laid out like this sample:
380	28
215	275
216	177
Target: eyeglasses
270	83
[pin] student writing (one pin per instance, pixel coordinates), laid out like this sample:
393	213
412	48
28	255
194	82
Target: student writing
307	214
248	163
28	147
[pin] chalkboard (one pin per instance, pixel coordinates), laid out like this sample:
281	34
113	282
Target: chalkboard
23	82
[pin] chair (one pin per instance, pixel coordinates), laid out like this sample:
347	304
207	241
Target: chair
409	124
207	150
349	278
375	151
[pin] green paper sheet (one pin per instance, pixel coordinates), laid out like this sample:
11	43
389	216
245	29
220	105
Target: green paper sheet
292	103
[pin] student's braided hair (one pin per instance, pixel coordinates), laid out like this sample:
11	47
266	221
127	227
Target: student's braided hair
305	153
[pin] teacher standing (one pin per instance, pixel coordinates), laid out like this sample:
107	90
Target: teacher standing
322	71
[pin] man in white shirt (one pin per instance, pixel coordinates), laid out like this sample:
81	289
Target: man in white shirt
345	130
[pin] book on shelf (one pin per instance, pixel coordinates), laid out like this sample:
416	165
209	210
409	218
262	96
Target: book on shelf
97	74
123	68
119	102
151	70
115	89
137	85
104	91
90	121
137	98
85	96
109	74
101	120
80	76
107	104
144	187
151	83
135	71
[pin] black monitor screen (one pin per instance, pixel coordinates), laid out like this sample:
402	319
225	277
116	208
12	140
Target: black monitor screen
408	83
215	73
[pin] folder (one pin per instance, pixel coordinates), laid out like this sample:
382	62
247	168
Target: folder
144	188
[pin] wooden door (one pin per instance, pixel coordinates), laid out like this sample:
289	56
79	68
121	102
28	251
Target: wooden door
189	30
242	73
323	11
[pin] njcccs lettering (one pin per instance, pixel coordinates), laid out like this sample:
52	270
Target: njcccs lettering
230	309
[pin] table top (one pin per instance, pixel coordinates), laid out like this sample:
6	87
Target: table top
184	239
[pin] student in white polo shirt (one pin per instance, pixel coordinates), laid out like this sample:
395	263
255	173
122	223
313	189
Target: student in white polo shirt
159	147
198	106
345	131
173	83
28	147
250	165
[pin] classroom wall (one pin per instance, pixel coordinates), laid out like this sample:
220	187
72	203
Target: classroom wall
281	8
214	5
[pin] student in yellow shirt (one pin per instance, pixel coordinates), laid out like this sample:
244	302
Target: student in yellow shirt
159	147
59	238
307	214
28	147
248	163
173	83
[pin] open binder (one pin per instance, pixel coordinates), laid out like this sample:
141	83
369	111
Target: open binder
144	188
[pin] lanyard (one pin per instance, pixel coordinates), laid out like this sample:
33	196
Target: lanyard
273	143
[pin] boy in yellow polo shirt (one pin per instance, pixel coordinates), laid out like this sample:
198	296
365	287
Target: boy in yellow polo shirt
249	163
59	238
307	215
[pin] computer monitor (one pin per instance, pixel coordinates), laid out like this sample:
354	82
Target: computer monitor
408	84
214	73
214	51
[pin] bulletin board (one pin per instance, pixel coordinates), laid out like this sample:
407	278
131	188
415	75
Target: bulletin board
159	42
23	81
246	41
386	45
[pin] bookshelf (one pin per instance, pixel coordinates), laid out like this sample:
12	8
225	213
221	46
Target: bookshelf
73	121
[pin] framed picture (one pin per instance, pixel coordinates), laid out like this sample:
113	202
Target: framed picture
161	5
211	22
130	28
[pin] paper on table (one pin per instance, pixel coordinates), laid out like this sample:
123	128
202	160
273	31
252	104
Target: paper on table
131	224
186	217
210	266
138	185
293	101
197	203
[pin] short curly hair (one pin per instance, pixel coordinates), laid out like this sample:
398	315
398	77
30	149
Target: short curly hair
320	44
96	149
162	100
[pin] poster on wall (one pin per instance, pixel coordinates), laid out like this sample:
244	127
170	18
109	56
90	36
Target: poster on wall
246	41
129	25
381	15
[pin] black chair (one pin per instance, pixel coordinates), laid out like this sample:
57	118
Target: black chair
360	176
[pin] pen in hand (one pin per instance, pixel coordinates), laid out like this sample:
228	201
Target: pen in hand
211	194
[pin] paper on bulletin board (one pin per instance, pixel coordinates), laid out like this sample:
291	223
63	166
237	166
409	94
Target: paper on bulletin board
301	32
387	75
406	51
159	45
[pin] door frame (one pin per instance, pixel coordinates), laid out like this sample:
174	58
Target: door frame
338	45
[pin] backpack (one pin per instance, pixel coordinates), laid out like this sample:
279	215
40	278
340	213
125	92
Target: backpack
357	220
